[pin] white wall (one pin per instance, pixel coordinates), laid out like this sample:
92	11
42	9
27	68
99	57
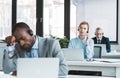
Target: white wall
98	13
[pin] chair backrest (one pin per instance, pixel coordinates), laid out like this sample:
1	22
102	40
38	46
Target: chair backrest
97	51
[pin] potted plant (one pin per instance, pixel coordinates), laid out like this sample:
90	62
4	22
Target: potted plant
63	41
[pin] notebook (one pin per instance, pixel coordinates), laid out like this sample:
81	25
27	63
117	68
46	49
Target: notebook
73	54
37	67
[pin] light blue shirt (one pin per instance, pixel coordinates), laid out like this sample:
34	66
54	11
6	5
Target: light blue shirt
34	51
77	43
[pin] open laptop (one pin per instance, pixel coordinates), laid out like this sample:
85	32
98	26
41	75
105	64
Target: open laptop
103	48
37	67
73	54
97	51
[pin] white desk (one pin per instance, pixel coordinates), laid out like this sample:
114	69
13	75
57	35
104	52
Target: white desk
2	75
80	76
107	69
111	55
70	76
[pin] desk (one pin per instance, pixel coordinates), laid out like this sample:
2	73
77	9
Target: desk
80	76
70	76
2	75
111	55
108	69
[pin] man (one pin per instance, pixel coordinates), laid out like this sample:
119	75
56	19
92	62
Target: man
23	44
100	39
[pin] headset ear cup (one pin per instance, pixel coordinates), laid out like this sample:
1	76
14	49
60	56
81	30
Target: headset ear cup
30	32
87	31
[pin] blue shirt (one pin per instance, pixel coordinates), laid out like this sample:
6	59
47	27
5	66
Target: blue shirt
78	43
34	51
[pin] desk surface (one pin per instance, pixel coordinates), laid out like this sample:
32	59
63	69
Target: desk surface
111	55
70	76
97	62
2	75
80	76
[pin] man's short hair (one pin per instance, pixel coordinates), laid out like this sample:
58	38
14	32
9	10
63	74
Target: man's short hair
98	28
21	25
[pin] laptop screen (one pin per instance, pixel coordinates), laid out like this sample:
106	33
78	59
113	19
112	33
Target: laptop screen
37	67
73	54
97	51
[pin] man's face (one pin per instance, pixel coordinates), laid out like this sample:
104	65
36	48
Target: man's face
23	38
99	33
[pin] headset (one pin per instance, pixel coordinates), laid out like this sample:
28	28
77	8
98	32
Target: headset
30	32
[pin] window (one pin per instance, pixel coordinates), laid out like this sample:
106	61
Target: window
5	18
26	12
53	18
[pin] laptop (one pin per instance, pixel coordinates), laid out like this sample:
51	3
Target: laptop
37	67
73	54
97	51
103	48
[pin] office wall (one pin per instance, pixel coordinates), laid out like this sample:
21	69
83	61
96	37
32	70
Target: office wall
98	13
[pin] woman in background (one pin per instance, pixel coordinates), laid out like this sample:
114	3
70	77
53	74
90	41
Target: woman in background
83	40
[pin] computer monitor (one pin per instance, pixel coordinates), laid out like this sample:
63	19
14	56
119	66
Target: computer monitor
103	48
97	51
73	54
37	67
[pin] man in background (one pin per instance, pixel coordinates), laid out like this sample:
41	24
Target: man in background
100	39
